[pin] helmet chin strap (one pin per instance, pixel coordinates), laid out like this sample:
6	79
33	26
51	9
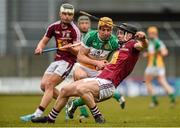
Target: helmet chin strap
125	37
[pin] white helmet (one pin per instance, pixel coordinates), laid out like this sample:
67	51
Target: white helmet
68	8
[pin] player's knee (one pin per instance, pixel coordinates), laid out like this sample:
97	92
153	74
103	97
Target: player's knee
42	86
148	82
47	86
162	80
64	91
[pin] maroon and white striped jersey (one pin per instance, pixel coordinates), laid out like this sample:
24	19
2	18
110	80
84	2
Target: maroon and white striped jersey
124	64
63	32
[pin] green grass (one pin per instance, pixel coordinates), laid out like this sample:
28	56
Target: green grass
136	114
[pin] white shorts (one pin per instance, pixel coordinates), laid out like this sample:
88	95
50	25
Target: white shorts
61	68
155	71
106	88
90	72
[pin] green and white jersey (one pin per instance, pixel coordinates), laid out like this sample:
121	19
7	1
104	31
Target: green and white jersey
155	46
83	34
154	55
99	49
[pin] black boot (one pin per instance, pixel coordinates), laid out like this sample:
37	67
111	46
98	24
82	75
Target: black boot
99	119
44	119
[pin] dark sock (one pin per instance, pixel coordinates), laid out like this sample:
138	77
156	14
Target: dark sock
53	114
154	99
95	112
41	108
172	97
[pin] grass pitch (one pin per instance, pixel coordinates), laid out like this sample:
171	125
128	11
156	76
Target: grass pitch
136	113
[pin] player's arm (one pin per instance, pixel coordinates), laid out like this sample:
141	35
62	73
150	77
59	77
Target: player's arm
42	43
142	41
84	58
145	54
83	54
163	49
74	50
164	52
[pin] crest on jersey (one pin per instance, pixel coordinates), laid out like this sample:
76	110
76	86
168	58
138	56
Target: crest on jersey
66	34
57	32
106	46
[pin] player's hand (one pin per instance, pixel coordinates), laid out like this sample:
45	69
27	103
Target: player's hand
67	46
140	35
145	54
141	38
38	51
101	64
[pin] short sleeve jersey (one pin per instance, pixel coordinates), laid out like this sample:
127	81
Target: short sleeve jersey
99	49
125	62
83	34
154	55
63	32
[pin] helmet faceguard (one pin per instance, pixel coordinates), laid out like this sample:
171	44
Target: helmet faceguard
83	18
127	28
67	8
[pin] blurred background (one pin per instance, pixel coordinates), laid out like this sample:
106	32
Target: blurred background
24	22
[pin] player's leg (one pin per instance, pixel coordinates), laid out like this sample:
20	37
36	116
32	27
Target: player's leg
79	73
148	77
59	104
90	102
104	94
49	81
52	77
87	90
118	97
74	103
163	82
